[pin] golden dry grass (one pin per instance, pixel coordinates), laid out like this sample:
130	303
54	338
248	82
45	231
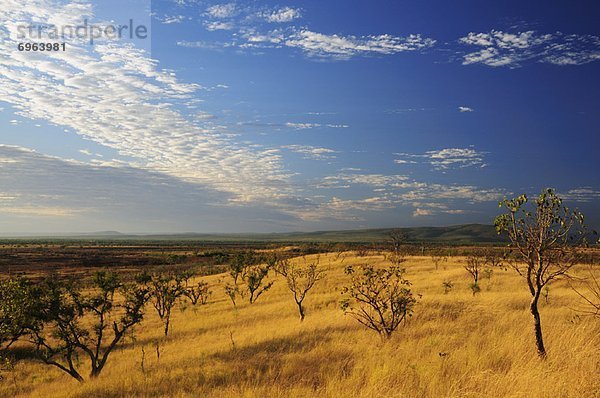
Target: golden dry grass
262	350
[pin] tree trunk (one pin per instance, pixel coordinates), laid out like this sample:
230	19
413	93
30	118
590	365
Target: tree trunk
301	310
537	326
167	326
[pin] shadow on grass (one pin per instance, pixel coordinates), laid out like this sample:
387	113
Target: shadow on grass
302	359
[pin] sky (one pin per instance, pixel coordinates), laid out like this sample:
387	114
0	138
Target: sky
272	116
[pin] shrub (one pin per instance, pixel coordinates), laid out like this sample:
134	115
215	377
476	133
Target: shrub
380	299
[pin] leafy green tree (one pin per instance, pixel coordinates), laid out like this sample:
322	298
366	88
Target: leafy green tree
380	299
17	311
89	323
547	239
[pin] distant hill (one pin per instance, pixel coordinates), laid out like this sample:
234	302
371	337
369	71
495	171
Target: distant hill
456	234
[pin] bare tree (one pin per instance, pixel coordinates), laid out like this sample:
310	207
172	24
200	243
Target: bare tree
72	322
547	241
380	299
299	279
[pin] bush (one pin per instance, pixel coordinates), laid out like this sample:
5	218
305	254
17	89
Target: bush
380	299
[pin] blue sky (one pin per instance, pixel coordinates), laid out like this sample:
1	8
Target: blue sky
282	116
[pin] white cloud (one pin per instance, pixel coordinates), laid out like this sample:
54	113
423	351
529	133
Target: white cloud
130	107
227	10
345	47
250	34
37	211
456	157
422	212
396	191
302	126
305	126
218	25
464	109
499	48
444	159
172	19
285	14
584	194
404	161
375	180
204	116
312	152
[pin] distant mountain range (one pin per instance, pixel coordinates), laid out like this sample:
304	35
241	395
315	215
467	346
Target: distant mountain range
458	234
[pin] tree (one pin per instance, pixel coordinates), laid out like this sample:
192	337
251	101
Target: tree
437	257
165	290
200	292
299	279
547	240
232	291
447	285
492	258
17	310
380	299
246	268
474	266
397	242
91	323
254	279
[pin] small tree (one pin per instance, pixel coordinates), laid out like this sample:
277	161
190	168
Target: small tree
73	323
493	258
447	285
246	269
547	239
165	290
299	280
254	279
397	242
437	257
380	299
232	291
474	267
198	293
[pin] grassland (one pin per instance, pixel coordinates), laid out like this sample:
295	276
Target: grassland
455	345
